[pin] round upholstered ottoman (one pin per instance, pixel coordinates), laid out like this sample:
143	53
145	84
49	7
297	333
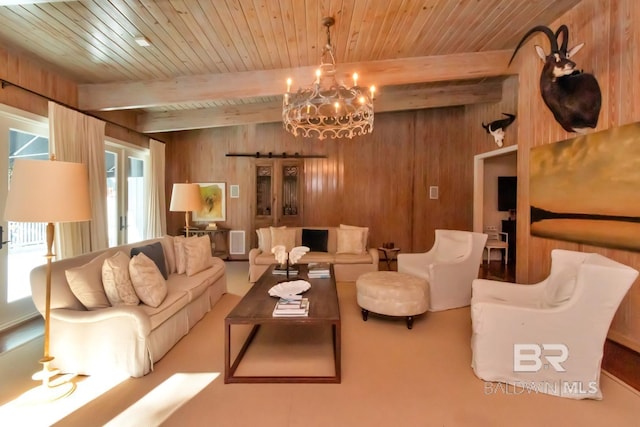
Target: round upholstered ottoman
392	294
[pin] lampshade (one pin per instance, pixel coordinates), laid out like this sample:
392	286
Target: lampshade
48	191
185	198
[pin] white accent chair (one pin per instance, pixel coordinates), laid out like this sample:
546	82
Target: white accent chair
449	266
495	241
549	336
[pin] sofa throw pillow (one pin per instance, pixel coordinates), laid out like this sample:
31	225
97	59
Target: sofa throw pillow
283	236
155	252
349	241
169	253
86	283
147	280
117	281
315	240
363	230
181	261
197	254
264	239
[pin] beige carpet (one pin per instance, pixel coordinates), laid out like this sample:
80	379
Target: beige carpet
392	376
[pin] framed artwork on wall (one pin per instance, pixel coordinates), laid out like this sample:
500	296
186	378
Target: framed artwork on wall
214	206
585	189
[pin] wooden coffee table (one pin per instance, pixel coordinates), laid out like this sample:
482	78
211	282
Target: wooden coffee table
256	309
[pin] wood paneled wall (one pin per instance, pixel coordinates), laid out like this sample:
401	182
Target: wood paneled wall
611	33
25	72
380	180
28	73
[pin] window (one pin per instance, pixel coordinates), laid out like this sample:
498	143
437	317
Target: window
22	135
127	198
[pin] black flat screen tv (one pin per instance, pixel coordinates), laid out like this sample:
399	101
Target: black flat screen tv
507	193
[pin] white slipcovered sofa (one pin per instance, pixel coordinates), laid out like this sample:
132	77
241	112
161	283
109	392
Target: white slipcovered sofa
124	338
345	247
549	337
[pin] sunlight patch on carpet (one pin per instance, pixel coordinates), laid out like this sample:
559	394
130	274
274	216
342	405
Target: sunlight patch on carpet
88	388
157	405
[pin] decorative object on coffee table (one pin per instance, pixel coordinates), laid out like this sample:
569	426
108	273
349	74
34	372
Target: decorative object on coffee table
287	289
287	259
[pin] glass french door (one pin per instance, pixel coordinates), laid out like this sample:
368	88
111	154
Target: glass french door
22	135
126	170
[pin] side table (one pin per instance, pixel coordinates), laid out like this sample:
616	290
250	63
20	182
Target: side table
389	255
219	240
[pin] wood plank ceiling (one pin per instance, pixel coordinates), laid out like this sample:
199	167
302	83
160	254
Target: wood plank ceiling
225	62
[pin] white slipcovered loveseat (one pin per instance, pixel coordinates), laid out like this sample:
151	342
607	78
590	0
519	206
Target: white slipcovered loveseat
127	337
345	247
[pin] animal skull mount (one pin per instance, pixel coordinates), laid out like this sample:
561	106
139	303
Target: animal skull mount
497	127
573	97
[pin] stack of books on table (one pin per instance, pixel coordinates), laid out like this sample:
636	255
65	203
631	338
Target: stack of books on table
293	271
294	306
319	270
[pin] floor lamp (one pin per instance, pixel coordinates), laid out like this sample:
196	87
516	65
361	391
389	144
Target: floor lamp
48	191
186	198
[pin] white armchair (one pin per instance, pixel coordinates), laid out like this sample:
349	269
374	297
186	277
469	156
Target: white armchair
549	337
449	266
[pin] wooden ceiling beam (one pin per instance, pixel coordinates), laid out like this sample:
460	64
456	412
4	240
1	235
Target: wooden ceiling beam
206	88
391	100
439	96
232	115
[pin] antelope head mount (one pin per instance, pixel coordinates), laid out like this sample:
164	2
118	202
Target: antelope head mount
573	97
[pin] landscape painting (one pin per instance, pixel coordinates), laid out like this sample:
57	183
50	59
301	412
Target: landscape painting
587	189
213	202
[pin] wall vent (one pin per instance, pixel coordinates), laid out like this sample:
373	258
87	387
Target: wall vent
237	242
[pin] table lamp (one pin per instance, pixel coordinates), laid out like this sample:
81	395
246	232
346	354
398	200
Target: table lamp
185	198
48	191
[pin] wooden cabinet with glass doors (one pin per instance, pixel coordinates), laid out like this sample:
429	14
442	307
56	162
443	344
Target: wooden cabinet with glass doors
278	193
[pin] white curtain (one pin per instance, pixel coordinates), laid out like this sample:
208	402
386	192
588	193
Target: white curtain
157	214
75	137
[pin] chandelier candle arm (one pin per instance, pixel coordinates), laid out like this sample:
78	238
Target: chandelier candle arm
327	108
